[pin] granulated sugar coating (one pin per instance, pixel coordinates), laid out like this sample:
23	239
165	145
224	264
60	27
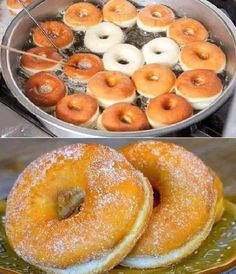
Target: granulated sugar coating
187	196
115	197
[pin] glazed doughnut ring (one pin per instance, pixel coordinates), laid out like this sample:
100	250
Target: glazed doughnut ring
80	16
103	36
83	66
78	109
199	87
120	12
187	30
155	18
168	109
154	80
45	90
186	211
202	55
32	65
123	58
161	50
15	7
61	35
123	117
69	201
111	87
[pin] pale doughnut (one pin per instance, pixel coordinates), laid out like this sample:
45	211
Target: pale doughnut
103	36
124	58
161	50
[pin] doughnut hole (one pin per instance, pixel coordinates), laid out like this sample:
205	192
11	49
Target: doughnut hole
74	105
188	32
83	65
169	104
198	81
126	119
202	55
69	202
122	61
82	13
156	14
45	88
111	82
156	197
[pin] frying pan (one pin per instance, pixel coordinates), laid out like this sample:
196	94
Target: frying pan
214	19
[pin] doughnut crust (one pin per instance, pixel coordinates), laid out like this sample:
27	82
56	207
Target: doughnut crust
114	214
186	211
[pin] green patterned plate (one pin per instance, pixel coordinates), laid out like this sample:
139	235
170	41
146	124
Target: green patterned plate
216	254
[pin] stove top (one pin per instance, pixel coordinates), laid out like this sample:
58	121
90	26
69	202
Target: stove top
213	126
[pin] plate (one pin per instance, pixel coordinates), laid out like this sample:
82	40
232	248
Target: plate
216	254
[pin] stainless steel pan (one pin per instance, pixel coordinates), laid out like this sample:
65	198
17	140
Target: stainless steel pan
214	19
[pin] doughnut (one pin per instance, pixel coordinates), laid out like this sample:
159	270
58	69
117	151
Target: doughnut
202	55
124	58
123	117
199	87
187	30
32	65
61	35
64	213
161	50
102	37
168	109
220	197
45	90
110	87
154	80
120	12
155	18
81	16
15	7
184	214
83	66
78	109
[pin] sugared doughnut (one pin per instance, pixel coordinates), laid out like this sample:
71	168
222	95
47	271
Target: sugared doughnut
168	109
155	18
15	7
187	30
78	109
120	12
111	87
124	58
45	90
61	35
123	117
220	197
78	209
32	65
161	50
103	36
184	214
83	66
202	55
199	87
81	16
154	80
